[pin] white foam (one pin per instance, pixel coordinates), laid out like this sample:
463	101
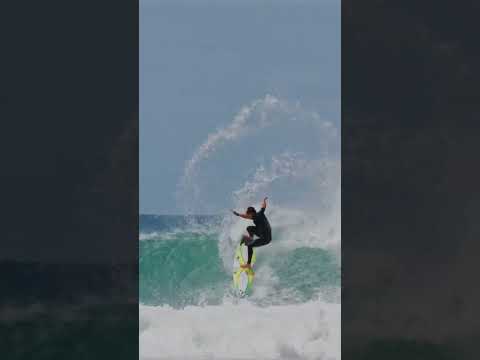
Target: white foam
266	112
311	219
197	229
239	126
149	236
241	331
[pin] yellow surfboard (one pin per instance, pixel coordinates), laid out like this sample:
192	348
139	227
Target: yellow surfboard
242	278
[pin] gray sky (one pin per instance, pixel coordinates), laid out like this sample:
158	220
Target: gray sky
201	61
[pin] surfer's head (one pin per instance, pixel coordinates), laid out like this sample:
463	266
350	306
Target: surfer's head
251	210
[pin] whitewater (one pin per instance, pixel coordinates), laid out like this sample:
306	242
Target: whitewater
187	307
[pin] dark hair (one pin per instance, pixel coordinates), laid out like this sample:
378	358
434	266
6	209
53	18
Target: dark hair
251	210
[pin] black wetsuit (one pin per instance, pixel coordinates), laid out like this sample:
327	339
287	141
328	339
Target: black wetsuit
261	229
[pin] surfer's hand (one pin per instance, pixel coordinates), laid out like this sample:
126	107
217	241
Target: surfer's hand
264	204
234	212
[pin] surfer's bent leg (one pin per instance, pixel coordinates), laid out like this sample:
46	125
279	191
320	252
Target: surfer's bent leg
250	254
252	230
257	243
264	240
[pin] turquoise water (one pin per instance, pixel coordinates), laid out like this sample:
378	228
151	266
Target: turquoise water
178	270
180	266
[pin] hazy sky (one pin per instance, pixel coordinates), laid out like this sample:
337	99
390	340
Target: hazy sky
201	61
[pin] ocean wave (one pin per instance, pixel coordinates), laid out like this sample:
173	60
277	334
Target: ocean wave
186	269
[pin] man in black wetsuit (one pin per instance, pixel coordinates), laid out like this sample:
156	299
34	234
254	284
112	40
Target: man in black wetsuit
261	229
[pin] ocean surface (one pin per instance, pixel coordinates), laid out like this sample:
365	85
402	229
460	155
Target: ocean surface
188	309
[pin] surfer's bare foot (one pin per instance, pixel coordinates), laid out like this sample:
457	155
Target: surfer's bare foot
246	266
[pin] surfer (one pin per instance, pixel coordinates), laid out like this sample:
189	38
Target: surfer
261	229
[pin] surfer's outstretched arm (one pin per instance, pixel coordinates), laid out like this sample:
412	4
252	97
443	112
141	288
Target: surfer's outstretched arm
245	216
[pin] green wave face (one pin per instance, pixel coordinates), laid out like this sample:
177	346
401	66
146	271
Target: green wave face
185	268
